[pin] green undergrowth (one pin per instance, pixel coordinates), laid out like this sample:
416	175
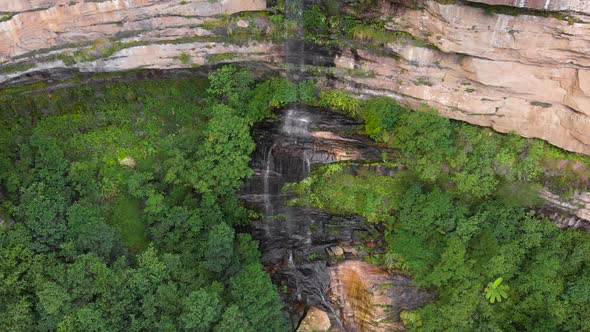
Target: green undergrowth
126	218
339	190
19	67
470	161
455	247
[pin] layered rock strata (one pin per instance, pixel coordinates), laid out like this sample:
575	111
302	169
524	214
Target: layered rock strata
525	74
118	35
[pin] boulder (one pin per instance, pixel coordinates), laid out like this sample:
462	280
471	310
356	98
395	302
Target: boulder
315	320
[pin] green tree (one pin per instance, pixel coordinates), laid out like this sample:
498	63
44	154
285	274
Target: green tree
231	86
222	160
202	308
426	141
54	303
233	320
43	210
256	297
220	245
84	319
89	232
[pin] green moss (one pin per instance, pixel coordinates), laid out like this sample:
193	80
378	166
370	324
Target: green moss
5	17
221	57
184	58
19	67
541	104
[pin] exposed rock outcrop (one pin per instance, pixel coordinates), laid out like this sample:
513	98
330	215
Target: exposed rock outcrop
571	213
315	320
527	74
43	24
370	298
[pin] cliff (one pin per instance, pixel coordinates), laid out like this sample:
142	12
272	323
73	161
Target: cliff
116	35
527	73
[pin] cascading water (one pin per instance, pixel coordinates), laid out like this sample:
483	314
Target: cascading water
294	240
294	46
268	167
296	124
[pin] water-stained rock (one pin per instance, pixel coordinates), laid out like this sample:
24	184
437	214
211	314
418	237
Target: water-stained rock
299	244
370	298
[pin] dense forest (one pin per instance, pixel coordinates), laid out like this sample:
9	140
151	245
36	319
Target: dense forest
118	206
119	211
459	218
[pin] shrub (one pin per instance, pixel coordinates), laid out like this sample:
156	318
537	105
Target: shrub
340	101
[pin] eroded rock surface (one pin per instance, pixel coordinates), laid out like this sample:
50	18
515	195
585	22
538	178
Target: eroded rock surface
315	320
573	212
525	73
41	24
370	298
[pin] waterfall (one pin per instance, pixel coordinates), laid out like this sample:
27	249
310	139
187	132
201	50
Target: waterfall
547	3
268	168
296	124
293	239
294	48
306	163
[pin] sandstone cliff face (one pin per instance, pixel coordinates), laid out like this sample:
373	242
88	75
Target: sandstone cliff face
42	24
117	35
527	74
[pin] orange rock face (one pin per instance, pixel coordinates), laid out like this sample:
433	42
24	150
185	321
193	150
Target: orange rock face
371	299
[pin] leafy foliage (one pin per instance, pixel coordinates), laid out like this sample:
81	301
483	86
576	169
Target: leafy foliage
339	100
456	246
123	203
469	161
495	291
454	220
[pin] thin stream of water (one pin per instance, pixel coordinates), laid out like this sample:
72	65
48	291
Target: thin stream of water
294	239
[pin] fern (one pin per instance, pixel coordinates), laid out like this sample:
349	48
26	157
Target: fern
496	291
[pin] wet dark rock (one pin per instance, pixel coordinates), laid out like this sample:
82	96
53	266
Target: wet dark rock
300	245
